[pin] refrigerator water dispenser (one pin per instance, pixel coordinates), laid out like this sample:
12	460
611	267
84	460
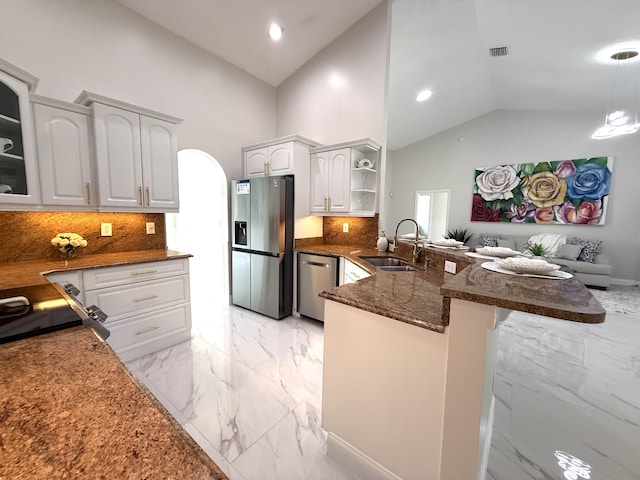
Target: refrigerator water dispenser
240	235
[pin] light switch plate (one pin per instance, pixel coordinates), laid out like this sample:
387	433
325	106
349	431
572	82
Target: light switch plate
106	230
345	227
151	228
449	266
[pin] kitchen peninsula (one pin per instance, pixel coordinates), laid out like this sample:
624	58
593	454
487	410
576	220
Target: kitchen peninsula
407	398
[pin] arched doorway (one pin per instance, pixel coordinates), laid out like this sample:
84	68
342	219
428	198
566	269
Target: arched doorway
201	228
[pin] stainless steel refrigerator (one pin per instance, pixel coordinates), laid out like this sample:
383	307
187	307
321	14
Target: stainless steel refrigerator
262	244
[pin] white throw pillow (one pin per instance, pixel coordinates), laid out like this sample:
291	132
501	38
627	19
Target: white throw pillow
550	241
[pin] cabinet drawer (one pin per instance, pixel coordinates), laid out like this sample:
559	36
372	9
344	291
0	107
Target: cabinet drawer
126	300
149	327
139	272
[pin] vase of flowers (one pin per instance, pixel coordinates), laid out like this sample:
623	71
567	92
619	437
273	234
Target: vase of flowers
68	243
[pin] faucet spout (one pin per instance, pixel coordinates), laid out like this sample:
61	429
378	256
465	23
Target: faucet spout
415	244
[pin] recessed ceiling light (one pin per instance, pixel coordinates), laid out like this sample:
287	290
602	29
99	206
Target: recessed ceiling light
424	95
275	32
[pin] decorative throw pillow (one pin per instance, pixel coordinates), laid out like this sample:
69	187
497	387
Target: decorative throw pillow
489	240
569	252
590	248
550	241
507	243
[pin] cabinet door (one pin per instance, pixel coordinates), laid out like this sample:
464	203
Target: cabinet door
19	183
64	156
280	159
159	145
339	180
318	187
118	157
255	162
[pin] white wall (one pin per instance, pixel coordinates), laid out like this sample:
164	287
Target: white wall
311	105
103	47
445	161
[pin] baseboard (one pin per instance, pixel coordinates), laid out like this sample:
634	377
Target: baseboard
624	282
356	461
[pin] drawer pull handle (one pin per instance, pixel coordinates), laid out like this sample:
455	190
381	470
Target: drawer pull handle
147	330
144	299
140	193
145	272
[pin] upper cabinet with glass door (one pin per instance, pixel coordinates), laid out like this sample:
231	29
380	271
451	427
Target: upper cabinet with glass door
19	183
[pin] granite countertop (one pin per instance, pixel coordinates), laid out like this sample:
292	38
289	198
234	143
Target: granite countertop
410	297
24	274
71	409
423	297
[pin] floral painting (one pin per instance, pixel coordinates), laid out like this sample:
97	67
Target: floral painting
561	192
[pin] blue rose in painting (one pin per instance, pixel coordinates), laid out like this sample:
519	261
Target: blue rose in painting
590	182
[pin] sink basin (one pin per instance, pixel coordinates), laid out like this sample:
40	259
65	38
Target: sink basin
389	264
384	261
396	268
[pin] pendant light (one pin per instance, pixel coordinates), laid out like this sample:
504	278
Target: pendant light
621	122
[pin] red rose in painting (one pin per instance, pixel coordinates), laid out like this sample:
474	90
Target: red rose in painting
584	213
480	213
544	215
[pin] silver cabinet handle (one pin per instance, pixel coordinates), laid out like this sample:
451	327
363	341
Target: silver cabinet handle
326	203
147	330
140	194
148	198
88	193
145	272
144	299
329	203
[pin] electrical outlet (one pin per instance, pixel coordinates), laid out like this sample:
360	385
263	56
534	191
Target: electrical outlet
449	266
345	227
151	228
106	230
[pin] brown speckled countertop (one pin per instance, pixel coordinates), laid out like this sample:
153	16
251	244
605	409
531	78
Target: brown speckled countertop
23	274
422	298
69	409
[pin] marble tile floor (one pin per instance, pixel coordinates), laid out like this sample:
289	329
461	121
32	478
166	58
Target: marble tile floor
248	389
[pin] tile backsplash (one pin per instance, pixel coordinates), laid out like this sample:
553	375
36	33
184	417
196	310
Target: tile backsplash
363	231
27	235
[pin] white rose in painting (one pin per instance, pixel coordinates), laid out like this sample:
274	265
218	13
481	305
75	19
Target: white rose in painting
496	183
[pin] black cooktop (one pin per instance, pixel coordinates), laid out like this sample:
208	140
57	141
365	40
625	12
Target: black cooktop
45	309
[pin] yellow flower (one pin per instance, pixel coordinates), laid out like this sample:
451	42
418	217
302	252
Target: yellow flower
544	189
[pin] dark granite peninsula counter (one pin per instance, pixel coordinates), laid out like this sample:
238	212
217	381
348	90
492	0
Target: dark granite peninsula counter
71	409
416	351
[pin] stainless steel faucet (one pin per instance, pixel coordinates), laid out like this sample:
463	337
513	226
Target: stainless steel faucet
416	249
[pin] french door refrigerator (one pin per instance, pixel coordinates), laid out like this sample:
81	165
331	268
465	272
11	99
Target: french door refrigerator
262	244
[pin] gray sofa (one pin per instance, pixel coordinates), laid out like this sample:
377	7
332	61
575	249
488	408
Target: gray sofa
596	274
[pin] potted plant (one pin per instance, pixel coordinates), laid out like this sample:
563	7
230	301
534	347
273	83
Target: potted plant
460	234
537	250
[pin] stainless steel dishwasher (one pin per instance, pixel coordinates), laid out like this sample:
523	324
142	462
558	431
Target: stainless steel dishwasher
316	273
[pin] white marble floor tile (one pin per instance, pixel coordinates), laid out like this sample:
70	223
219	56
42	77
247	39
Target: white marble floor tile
294	449
248	389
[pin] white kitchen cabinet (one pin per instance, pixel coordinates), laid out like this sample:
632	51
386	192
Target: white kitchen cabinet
148	304
344	178
64	150
19	183
272	160
350	272
136	156
330	181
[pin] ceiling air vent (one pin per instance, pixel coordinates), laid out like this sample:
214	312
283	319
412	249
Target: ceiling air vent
498	51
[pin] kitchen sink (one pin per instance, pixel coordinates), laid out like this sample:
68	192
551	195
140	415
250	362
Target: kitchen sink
396	268
389	263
